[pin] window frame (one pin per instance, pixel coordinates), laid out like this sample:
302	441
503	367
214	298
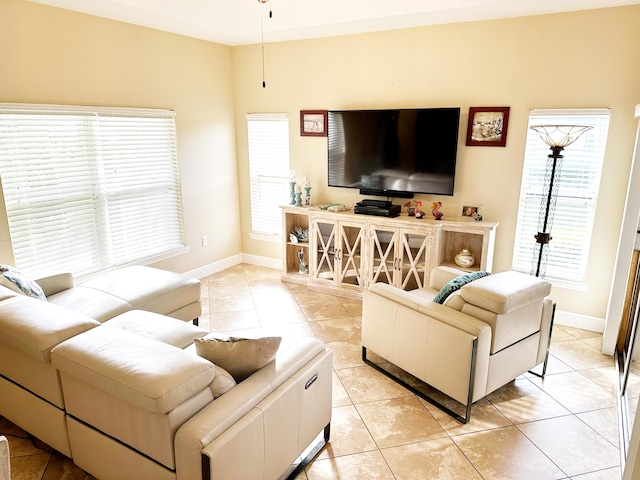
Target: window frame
124	160
579	184
268	152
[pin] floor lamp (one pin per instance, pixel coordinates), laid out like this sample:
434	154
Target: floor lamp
557	137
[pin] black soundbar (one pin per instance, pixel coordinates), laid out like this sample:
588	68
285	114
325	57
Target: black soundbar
376	203
391	211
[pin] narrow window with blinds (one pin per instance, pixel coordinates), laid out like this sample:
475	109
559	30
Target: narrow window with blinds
268	172
578	184
89	188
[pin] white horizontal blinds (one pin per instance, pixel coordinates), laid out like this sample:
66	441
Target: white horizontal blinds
81	184
578	183
49	197
141	185
269	170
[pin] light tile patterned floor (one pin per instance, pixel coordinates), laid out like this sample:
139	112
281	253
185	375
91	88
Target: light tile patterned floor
561	427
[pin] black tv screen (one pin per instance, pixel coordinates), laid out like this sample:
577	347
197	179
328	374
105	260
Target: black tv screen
394	153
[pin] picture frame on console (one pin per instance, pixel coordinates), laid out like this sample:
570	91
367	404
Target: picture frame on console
487	126
313	123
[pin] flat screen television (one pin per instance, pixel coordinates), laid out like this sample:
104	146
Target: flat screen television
394	153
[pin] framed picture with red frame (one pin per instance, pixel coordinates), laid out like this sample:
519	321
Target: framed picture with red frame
487	126
313	123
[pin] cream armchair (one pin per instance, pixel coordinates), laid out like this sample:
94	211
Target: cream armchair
484	334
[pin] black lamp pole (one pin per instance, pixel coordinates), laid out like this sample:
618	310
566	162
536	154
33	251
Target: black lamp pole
543	238
557	137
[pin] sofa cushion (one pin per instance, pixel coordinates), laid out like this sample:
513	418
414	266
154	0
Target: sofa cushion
148	288
148	374
94	303
456	284
505	291
239	356
158	327
35	327
14	279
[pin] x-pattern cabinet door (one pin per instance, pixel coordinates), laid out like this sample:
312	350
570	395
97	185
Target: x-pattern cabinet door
337	253
349	268
383	253
323	250
413	258
400	256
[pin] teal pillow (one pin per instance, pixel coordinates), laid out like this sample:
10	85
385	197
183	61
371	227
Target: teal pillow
23	284
456	284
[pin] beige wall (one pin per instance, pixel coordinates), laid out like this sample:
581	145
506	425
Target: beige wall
49	55
584	59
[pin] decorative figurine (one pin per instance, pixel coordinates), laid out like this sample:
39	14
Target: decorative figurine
307	190
298	196
411	207
292	186
292	192
435	210
301	234
418	213
302	268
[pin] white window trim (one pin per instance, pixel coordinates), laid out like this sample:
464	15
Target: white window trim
116	117
566	282
281	158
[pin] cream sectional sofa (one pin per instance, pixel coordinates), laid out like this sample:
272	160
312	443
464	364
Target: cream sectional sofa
126	396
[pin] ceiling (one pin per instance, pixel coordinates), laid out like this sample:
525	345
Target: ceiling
239	22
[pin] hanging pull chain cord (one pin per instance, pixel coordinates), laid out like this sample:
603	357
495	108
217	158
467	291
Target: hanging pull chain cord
264	83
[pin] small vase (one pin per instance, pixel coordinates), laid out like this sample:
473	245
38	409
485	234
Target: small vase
464	258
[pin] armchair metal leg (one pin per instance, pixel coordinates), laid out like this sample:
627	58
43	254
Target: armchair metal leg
434	402
546	357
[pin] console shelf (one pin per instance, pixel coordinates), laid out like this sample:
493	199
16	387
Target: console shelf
348	252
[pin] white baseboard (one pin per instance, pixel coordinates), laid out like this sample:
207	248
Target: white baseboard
235	260
579	321
267	262
216	266
568	319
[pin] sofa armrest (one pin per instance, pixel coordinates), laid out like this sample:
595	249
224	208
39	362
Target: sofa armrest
232	416
56	283
504	292
442	275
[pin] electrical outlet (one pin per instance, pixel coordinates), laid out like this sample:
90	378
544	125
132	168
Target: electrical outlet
204	241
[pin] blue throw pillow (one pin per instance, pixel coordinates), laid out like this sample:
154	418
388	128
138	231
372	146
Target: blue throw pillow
456	284
25	285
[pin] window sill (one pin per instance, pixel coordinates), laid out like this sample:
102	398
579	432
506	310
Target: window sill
266	237
568	285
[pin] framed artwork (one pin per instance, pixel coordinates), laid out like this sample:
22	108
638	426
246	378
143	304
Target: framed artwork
313	123
487	126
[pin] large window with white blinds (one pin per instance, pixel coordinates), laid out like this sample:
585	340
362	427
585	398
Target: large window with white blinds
268	138
578	184
89	188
